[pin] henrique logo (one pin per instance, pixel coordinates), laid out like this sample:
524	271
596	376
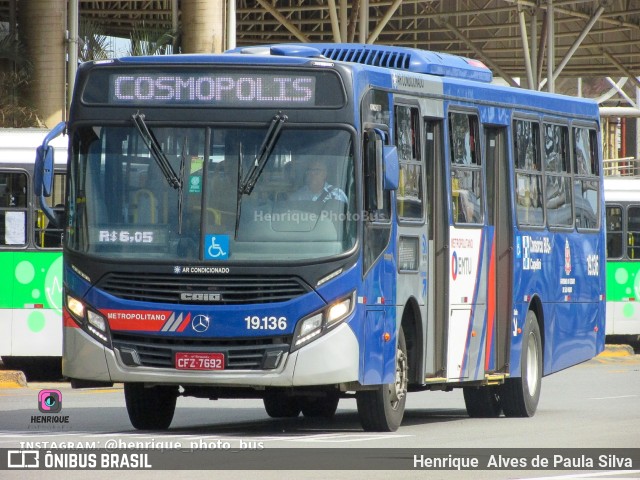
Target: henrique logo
200	297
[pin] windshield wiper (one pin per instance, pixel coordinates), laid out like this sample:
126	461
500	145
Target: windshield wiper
183	161
156	151
270	139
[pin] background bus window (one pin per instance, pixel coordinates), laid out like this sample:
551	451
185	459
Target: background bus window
528	173
633	232
558	198
13	208
614	231
466	169
409	196
48	235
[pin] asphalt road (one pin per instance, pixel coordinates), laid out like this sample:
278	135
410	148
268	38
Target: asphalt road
591	406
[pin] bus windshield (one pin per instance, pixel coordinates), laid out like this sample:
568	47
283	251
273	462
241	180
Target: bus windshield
301	206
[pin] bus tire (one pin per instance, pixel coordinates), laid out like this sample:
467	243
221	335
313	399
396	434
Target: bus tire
519	396
320	407
150	408
482	402
279	405
382	409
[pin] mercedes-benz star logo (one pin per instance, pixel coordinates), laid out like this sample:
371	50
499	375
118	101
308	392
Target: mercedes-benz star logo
200	323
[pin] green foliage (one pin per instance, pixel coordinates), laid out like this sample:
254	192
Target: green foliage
149	41
15	74
93	44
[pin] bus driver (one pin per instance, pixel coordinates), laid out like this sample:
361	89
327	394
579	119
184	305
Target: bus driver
316	187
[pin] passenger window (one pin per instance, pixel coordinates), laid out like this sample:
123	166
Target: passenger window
13	208
410	194
614	231
528	185
633	233
48	235
587	180
466	169
558	197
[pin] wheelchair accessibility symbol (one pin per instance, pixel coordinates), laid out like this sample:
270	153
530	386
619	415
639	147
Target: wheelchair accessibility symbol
216	247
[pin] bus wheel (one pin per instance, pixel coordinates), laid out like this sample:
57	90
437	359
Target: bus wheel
482	402
150	408
519	396
382	409
320	407
279	405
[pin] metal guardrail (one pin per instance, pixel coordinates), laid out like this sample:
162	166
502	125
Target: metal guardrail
621	167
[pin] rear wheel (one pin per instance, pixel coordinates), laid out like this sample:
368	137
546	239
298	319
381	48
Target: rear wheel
279	405
519	396
150	408
482	402
382	409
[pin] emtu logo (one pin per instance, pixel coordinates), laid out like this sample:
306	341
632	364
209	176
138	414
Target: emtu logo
460	265
49	401
454	266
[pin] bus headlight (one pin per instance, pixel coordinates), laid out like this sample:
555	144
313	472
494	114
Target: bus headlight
97	321
322	321
92	322
97	325
76	307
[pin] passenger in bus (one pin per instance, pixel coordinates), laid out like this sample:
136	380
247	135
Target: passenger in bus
470	207
316	187
53	232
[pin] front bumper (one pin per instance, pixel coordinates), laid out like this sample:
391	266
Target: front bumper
331	359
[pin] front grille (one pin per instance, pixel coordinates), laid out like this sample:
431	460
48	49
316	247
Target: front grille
167	288
240	354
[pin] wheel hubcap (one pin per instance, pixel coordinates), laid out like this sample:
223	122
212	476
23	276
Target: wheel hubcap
398	389
532	365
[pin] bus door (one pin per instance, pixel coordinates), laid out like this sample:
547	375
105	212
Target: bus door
470	246
438	247
413	222
499	297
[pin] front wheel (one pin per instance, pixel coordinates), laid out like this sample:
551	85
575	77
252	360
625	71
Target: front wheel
320	407
150	408
382	409
519	396
280	405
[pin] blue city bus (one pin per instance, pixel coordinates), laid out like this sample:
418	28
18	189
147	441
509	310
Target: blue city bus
307	223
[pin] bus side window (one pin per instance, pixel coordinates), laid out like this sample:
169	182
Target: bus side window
409	196
528	184
466	169
558	191
47	234
13	208
633	232
614	231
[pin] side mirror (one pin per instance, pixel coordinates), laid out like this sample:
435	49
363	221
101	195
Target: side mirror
44	172
391	167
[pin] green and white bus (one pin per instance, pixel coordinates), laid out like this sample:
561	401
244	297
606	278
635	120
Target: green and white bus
622	196
30	255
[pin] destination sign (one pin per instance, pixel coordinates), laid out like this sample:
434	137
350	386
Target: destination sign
228	89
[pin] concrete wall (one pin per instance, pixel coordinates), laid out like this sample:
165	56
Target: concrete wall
203	23
42	25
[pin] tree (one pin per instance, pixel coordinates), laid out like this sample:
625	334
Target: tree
15	74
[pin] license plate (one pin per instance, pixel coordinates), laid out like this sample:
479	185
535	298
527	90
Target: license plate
199	361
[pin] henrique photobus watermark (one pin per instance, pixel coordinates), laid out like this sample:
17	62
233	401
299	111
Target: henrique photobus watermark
299	216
